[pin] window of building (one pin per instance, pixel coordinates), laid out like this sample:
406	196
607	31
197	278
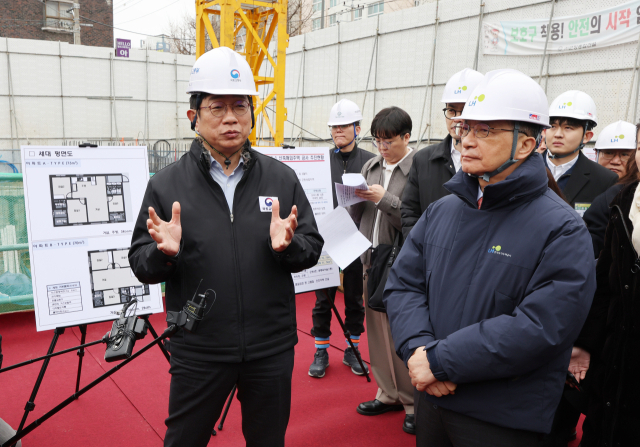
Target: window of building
358	14
316	24
317	5
56	15
376	9
333	3
333	19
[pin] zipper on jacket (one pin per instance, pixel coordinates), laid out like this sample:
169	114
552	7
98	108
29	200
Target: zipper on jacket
215	185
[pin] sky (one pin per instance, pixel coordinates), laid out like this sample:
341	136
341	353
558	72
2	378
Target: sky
151	17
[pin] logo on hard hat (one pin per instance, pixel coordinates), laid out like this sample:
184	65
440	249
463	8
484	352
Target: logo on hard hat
235	74
565	105
195	70
476	99
534	117
617	138
460	90
339	114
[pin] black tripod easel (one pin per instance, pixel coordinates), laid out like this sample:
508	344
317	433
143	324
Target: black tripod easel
33	425
30	405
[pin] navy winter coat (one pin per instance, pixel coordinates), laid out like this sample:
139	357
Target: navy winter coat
497	295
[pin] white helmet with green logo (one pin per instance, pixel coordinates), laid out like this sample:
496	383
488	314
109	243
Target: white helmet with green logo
507	95
576	105
460	86
619	135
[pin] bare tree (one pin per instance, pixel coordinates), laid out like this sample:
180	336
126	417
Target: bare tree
182	34
299	13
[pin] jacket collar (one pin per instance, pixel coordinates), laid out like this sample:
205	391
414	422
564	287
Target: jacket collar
352	154
528	181
202	155
442	150
404	165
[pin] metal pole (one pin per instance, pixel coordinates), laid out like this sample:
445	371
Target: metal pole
635	106
146	101
300	74
338	70
546	42
76	24
635	73
111	98
11	107
373	53
177	108
475	61
433	73
430	83
375	73
304	66
61	91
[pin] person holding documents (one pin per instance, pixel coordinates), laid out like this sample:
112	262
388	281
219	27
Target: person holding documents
211	223
346	157
379	218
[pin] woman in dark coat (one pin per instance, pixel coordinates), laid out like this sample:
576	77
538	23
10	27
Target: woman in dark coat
609	344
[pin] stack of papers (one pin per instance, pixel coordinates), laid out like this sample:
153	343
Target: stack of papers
342	240
346	192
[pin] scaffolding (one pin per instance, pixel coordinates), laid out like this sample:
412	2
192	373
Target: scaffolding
259	22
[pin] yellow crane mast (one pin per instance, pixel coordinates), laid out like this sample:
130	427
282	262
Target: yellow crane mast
260	20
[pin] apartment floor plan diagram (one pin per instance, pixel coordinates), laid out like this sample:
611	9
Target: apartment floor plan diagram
88	199
112	280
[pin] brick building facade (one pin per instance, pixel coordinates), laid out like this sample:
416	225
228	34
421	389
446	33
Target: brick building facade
49	20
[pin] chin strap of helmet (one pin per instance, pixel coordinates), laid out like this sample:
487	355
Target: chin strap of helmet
199	98
338	148
509	162
579	148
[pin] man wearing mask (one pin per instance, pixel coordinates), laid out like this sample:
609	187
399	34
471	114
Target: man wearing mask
435	165
494	282
346	157
205	225
572	117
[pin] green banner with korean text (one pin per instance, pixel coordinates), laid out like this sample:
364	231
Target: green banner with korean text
611	26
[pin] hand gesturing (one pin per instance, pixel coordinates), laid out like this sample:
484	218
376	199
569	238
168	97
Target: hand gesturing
166	234
281	230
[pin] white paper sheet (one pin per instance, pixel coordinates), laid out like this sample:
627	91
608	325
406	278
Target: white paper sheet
342	240
82	205
346	192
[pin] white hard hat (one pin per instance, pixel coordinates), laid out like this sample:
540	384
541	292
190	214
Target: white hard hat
460	85
619	135
574	104
344	112
222	71
507	95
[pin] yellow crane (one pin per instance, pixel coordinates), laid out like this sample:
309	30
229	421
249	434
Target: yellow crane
260	20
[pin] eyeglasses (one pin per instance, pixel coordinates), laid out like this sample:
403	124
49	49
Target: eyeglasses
611	154
377	143
479	130
451	113
340	126
219	109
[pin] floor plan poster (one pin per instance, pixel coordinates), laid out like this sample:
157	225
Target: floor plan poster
81	206
311	164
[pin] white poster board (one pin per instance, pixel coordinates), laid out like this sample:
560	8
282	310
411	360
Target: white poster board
82	204
312	165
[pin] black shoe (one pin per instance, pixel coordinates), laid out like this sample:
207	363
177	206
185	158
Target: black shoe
375	407
351	360
409	425
320	363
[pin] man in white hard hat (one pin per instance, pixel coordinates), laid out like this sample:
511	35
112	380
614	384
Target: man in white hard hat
615	145
211	222
494	282
572	117
435	165
346	157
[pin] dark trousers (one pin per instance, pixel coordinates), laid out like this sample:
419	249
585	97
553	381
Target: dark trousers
353	307
437	427
199	389
572	404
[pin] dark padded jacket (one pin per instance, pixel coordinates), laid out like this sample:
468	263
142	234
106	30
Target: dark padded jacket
597	217
357	158
497	295
432	167
254	314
